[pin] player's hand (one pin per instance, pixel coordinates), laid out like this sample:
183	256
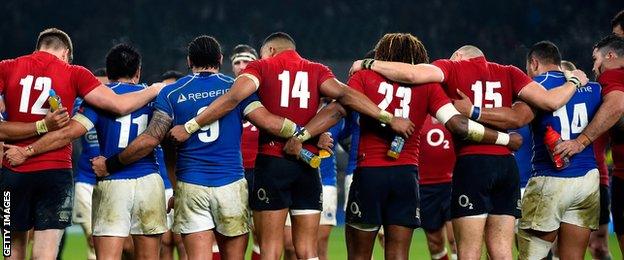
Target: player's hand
569	148
158	86
463	105
57	119
99	166
16	155
170	204
357	65
515	141
326	142
293	147
579	74
178	134
402	126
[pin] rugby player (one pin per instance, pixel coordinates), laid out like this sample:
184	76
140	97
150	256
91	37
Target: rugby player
608	55
211	191
617	24
559	203
43	184
385	191
486	193
436	160
291	86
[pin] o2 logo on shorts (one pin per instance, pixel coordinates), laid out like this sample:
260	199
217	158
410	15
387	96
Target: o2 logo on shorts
355	209
262	196
464	202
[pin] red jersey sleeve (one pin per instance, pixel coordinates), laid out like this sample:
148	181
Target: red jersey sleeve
437	98
324	73
447	68
5	65
518	79
254	68
83	80
612	80
355	82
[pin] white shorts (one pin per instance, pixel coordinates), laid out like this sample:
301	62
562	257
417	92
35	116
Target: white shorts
330	205
199	208
82	204
548	201
129	206
168	195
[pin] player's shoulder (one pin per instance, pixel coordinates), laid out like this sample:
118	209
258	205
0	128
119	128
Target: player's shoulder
177	85
224	78
612	75
550	77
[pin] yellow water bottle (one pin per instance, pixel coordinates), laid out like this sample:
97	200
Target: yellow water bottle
312	159
54	100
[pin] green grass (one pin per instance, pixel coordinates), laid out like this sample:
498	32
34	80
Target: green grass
76	247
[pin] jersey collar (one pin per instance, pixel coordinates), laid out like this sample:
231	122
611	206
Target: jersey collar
288	54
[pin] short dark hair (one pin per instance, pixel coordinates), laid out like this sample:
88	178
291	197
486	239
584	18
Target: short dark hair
99	72
618	19
545	51
171	74
205	52
122	60
241	48
56	39
611	42
279	35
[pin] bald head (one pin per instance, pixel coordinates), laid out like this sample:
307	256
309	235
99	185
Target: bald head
467	52
275	43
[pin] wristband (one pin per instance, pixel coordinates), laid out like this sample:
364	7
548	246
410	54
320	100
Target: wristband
574	80
475	113
289	128
476	131
385	117
502	139
302	134
367	63
113	164
584	139
41	126
191	126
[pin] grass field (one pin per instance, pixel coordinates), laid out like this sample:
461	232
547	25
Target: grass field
75	247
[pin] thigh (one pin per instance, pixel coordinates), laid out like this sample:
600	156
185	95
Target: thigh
192	209
471	185
366	196
18	190
307	190
54	200
108	247
397	241
330	205
112	207
544	203
149	214
230	209
572	241
146	246
505	194
359	243
585	207
272	181
402	206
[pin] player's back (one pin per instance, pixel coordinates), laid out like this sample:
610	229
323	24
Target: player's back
413	102
569	121
90	149
162	167
115	133
436	153
524	155
488	85
211	156
288	87
328	165
26	82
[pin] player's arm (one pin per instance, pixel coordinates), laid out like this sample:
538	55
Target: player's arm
401	72
144	144
105	98
467	129
243	87
13	131
361	103
78	126
549	100
608	114
515	117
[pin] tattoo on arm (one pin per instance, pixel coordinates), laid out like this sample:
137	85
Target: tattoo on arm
159	125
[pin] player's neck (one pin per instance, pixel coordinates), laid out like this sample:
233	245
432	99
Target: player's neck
126	80
200	70
547	68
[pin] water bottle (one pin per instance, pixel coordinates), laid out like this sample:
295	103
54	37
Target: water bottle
551	139
396	147
312	159
54	101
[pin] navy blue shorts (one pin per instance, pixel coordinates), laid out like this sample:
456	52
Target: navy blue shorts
384	196
435	205
40	200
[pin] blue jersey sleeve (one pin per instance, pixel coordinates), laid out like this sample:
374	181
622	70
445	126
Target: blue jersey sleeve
89	113
163	103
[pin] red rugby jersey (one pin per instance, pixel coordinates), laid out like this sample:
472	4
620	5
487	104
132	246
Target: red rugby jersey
436	153
600	147
488	85
289	87
413	102
613	80
25	83
249	145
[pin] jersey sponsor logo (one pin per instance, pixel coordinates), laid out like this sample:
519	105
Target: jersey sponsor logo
181	98
202	95
91	137
262	195
464	202
586	88
355	209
